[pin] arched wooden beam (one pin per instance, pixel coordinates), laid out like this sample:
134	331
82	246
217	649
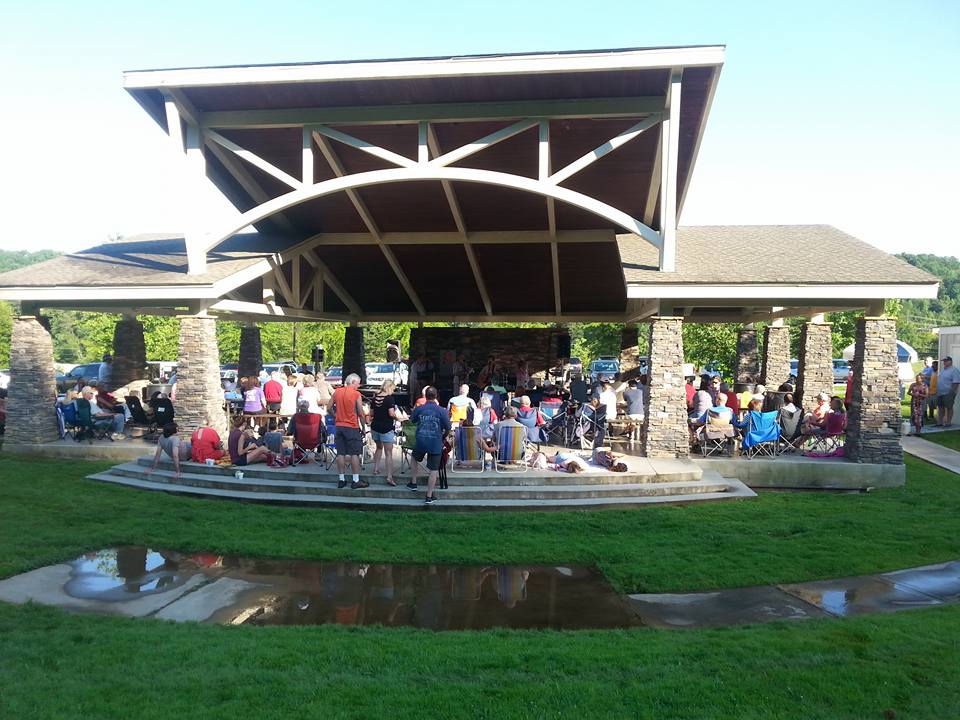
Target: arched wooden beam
202	244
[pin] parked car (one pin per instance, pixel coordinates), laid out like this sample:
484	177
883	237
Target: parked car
88	372
794	364
604	366
378	372
334	375
841	369
280	367
573	365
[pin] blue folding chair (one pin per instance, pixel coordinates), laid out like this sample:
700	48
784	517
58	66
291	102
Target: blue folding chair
761	434
329	442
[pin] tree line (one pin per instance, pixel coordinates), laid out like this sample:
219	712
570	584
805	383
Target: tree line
80	337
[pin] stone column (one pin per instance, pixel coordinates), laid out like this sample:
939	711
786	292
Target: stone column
199	393
251	352
33	383
815	362
129	353
629	353
776	356
353	352
748	363
665	431
873	425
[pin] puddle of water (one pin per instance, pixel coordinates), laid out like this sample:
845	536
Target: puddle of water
276	592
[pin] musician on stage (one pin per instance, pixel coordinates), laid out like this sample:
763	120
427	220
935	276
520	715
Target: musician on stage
488	373
422	373
461	372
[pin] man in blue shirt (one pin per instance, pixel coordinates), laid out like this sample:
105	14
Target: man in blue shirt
433	423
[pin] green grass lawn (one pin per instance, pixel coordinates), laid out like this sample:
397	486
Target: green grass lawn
950	439
55	665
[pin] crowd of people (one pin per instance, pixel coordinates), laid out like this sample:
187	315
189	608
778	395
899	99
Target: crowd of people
933	393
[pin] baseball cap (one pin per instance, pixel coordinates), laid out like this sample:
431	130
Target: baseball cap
948	358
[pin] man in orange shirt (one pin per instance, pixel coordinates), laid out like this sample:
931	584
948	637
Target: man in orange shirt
349	421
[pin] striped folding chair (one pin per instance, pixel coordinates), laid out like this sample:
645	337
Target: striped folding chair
512	449
466	446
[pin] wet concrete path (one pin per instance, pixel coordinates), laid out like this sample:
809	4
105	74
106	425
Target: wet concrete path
204	587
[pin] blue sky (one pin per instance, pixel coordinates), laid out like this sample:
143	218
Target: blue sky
837	112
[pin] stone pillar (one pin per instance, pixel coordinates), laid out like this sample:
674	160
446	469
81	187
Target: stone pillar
629	353
815	362
665	431
776	356
353	352
199	394
33	383
251	352
748	362
873	425
129	353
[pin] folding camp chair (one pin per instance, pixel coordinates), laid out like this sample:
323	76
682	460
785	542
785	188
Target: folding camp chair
329	446
830	438
715	437
163	411
138	414
307	436
536	434
791	439
762	435
67	414
466	448
592	428
90	428
511	448
555	416
407	445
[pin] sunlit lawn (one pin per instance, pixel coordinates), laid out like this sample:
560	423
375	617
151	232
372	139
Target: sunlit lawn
57	665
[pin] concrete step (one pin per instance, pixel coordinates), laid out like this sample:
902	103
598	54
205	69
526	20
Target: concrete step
642	471
448	500
280	484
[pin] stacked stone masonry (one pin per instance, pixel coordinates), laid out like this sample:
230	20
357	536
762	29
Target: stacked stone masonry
629	353
748	363
776	355
129	353
199	393
873	424
815	362
33	384
665	432
353	353
251	352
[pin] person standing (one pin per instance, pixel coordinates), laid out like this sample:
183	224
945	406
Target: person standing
273	392
349	422
633	396
432	423
918	399
948	383
383	428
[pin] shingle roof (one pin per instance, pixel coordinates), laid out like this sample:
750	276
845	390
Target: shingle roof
762	254
144	260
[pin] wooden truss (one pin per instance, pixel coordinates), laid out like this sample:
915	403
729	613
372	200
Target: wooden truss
194	133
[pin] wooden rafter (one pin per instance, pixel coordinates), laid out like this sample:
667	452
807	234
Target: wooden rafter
341	292
254	159
361	207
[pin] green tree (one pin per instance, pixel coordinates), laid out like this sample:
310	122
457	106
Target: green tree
6	327
711	343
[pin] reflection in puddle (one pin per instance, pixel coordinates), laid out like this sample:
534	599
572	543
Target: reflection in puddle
438	597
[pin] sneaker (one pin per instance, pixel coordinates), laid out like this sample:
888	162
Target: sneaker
359	485
341	484
412	486
430	500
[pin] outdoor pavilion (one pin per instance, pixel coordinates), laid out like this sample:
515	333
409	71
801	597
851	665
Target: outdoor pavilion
535	187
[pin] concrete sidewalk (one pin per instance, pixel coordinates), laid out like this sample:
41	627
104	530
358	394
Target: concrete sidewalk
932	453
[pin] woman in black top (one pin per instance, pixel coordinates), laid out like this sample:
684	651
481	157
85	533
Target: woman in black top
382	428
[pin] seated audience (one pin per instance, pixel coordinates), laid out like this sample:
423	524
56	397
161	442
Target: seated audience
691	392
324	389
817	418
486	418
530	418
205	444
104	418
702	401
288	397
171	444
733	400
271	437
461	406
609	398
311	394
253	399
243	449
788	404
